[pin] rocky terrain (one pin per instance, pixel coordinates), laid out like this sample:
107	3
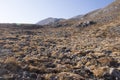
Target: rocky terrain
84	49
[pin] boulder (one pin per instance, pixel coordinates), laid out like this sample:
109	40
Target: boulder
86	23
104	60
115	73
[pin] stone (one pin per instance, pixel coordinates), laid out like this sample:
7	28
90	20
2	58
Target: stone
69	76
50	65
115	54
3	71
88	63
99	54
114	63
33	75
92	67
53	78
25	74
107	52
86	23
100	71
115	73
104	60
1	78
40	77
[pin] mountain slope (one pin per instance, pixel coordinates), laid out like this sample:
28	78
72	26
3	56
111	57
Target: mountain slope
106	14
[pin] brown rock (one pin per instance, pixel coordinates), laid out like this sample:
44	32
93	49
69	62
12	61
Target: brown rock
79	64
88	63
99	72
69	76
115	54
104	60
92	67
99	54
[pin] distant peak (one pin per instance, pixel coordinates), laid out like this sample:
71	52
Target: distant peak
49	20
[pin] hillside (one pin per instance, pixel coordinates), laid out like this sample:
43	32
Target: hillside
76	49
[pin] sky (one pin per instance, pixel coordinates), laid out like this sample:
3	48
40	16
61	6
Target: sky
32	11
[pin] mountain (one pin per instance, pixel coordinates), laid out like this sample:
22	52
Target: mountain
105	14
50	20
102	15
84	48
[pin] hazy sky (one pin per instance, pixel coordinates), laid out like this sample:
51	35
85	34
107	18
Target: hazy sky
32	11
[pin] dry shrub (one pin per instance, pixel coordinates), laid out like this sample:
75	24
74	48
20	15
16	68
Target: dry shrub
12	64
68	76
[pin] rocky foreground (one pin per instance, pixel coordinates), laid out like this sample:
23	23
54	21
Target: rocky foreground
31	52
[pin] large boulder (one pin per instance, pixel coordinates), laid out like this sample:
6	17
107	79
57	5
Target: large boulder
86	23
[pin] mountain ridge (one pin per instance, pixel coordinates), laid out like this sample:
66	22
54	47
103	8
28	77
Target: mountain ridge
49	20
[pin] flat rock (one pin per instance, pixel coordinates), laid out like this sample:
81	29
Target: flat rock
99	72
